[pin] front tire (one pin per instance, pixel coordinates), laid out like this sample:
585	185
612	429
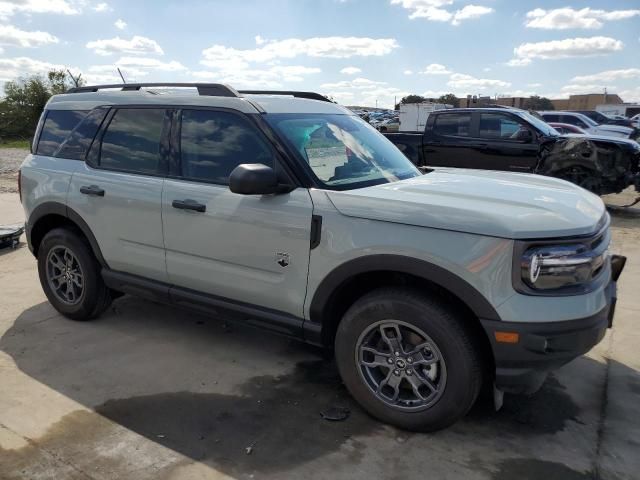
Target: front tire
408	359
70	275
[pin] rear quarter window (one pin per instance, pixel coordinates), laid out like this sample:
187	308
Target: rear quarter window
57	126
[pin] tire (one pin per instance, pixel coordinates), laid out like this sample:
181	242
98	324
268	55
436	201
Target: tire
92	296
457	376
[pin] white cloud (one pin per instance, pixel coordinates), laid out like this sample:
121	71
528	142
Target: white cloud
120	24
102	7
469	12
468	83
435	69
534	85
519	62
132	67
272	77
12	68
608	76
136	46
408	72
357	83
631	95
570	47
578	89
350	70
432	10
65	7
364	92
566	18
218	56
12	36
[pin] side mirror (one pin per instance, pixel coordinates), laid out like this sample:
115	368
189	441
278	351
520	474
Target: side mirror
525	136
253	179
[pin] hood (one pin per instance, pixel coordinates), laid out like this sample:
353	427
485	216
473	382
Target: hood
613	128
498	204
632	144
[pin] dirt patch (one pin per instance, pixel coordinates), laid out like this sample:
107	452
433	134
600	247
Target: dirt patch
10	161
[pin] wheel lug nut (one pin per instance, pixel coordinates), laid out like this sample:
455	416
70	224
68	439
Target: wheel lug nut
409	360
409	371
390	360
396	372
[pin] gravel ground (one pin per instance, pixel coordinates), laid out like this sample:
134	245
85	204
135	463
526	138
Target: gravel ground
10	160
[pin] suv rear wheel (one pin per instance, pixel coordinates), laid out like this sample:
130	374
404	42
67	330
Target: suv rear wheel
70	275
408	359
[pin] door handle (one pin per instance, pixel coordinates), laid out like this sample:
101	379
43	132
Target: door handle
189	204
94	190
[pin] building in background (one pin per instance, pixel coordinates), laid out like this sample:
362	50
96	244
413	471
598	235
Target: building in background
588	101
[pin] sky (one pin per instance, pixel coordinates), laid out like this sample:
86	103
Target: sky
361	52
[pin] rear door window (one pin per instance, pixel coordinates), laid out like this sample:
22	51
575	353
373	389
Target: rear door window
57	126
453	124
131	142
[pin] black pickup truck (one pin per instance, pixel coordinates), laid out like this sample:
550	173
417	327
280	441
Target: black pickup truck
515	140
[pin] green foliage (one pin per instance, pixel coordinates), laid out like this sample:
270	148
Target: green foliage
25	98
413	99
538	103
450	99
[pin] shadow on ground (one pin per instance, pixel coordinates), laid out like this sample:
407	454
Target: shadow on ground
244	401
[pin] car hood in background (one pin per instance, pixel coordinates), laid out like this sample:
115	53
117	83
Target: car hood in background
612	129
499	204
603	138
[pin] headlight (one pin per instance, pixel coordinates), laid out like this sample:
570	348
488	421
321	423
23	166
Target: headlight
555	267
561	268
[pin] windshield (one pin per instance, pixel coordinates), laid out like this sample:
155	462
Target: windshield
342	151
541	125
587	120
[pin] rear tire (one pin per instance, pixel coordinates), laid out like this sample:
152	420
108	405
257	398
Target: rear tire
70	275
435	386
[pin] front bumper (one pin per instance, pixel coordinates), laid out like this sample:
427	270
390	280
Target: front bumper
524	353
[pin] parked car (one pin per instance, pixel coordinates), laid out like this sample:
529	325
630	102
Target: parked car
424	285
513	139
567	128
590	126
635	120
389	125
602	119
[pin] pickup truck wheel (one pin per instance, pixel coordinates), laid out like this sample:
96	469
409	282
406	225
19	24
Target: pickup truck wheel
408	359
70	275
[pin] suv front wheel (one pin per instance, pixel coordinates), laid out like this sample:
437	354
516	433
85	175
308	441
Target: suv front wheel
408	359
70	275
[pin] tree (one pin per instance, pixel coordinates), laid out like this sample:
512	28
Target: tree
450	99
538	103
24	100
413	99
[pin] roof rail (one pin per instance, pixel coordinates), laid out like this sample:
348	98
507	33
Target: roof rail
205	89
308	95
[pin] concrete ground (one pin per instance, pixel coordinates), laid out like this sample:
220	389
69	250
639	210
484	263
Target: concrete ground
152	392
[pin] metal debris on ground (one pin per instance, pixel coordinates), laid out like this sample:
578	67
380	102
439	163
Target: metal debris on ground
335	414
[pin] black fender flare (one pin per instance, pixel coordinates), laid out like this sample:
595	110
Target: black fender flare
57	208
451	282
